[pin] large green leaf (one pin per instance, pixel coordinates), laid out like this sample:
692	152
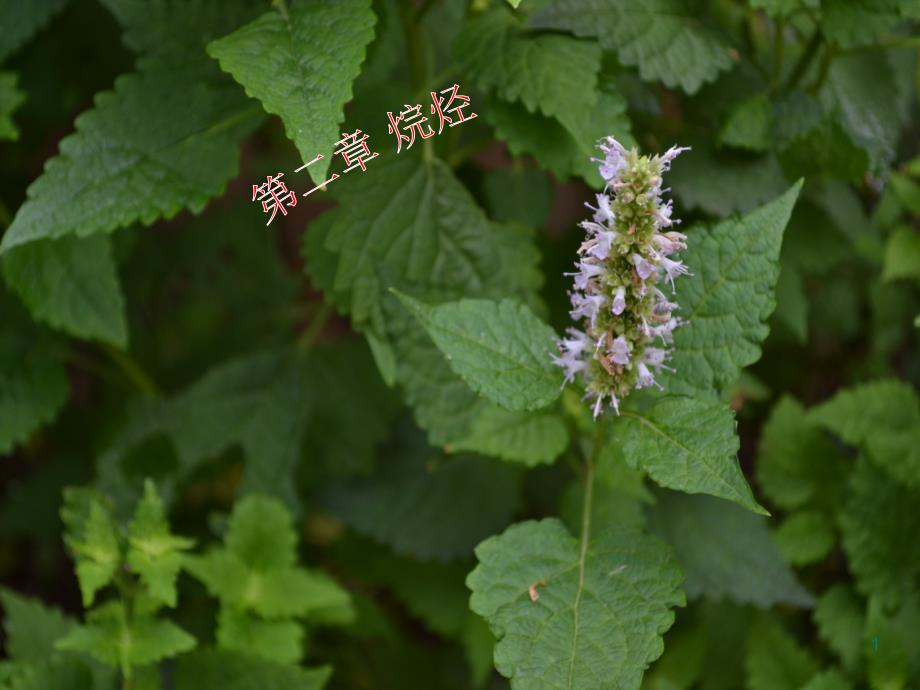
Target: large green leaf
575	616
500	349
728	298
902	255
22	19
665	39
72	284
776	660
285	59
212	670
725	552
31	628
851	23
689	445
840	617
146	151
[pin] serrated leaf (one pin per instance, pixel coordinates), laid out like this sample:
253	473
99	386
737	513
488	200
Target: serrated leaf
72	284
550	73
902	255
797	463
728	298
282	59
805	537
90	534
215	670
748	125
427	506
154	552
114	641
280	641
31	628
775	660
146	151
533	438
688	445
500	349
882	416
665	39
881	535
725	552
840	617
33	388
49	674
20	20
10	99
600	609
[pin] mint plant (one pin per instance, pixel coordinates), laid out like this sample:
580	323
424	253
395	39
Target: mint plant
579	350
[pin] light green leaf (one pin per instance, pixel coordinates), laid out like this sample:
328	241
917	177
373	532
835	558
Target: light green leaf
840	617
665	39
881	535
749	124
553	74
283	59
146	151
90	534
33	388
514	3
902	255
775	660
728	298
797	463
428	506
725	552
72	284
531	438
144	640
883	417
215	670
500	349
688	445
20	20
154	552
279	641
805	537
599	612
828	680
890	642
10	99
261	533
31	628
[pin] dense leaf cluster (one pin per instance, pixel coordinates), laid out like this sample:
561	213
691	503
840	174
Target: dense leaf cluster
336	453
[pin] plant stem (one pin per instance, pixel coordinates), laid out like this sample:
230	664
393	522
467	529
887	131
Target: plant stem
779	45
132	370
824	69
308	337
805	60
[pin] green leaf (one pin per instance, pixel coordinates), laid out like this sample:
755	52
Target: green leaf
500	349
279	641
828	680
427	506
72	284
883	417
891	641
514	3
665	39
50	674
214	670
282	59
881	535
31	628
725	552
10	99
805	537
728	298
840	617
518	194
775	660
20	20
797	463
154	552
851	23
113	641
90	535
600	609
33	388
776	7
146	151
792	302
688	445
553	74
902	255
531	438
749	124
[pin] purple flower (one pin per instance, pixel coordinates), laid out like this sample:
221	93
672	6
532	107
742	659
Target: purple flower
643	267
586	306
646	378
619	351
673	269
619	301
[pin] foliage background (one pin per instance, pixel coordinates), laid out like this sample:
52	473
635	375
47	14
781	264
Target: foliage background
152	327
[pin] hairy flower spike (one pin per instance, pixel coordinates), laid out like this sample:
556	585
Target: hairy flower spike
626	320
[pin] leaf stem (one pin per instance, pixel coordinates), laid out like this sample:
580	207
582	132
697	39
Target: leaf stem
805	60
312	331
132	370
779	45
